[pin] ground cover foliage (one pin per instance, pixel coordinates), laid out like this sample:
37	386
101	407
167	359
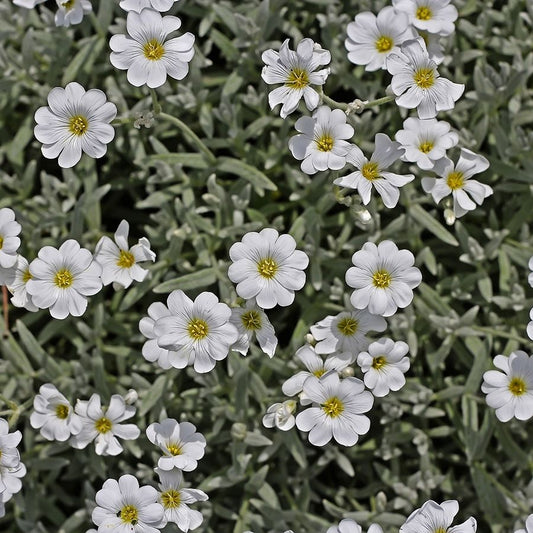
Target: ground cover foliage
435	438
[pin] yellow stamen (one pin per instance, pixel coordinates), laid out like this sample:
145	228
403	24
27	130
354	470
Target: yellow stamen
153	50
424	78
267	267
379	362
517	386
455	180
426	147
251	320
383	44
174	449
333	407
62	411
423	13
171	499
381	279
197	329
319	372
324	143
129	514
298	79
370	171
126	259
26	276
103	425
69	4
1	242
347	326
78	125
63	278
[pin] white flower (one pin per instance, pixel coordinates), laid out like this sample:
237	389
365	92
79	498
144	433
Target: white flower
28	4
62	279
119	262
104	425
321	143
250	320
53	415
176	500
181	444
456	181
139	5
266	266
372	38
200	331
384	366
337	410
425	141
416	81
9	455
146	53
530	324
7	275
529	525
433	16
9	242
351	526
433	46
71	11
373	173
383	278
123	507
17	285
530	275
510	392
74	121
316	366
346	332
435	518
10	480
296	71
280	415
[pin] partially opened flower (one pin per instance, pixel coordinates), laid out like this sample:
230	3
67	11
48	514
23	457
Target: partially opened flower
280	415
455	180
417	83
139	5
321	142
147	53
433	16
9	240
17	285
351	526
119	262
71	11
373	172
372	38
437	518
75	121
297	72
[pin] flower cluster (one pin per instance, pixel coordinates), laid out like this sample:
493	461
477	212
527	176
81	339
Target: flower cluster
11	467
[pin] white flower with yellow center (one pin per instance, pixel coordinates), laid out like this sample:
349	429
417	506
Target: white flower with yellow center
322	140
124	507
176	499
119	262
280	415
346	332
433	16
351	526
75	121
417	83
266	266
17	285
372	38
53	415
71	11
9	455
180	443
104	425
147	53
437	518
62	279
383	278
425	141
200	331
139	5
9	241
316	366
455	180
529	525
337	410
384	366
510	392
373	173
297	72
251	320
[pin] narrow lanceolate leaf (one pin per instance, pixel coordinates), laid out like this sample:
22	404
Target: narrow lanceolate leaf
425	219
259	181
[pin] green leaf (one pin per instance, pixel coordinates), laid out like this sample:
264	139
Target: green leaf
194	280
259	181
432	225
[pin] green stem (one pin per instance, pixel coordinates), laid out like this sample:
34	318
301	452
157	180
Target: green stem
119	121
96	24
380	101
155	102
191	136
333	103
497	333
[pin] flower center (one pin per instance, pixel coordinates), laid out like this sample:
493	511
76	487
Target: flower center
333	407
426	147
197	329
517	386
319	372
424	77
440	530
381	279
125	259
63	278
129	514
62	411
267	267
379	362
455	180
348	326
174	449
370	171
324	143
103	425
78	125
1	242
171	499
383	44
423	13
153	50
297	78
251	320
26	276
69	4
